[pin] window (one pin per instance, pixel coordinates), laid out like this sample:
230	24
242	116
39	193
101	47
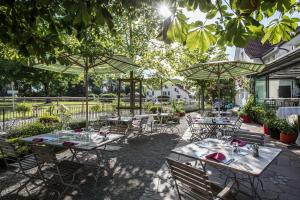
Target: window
178	96
164	93
168	93
152	93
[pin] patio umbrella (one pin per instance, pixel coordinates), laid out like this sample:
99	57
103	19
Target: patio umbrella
83	65
221	70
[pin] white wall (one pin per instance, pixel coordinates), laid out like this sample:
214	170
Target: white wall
169	89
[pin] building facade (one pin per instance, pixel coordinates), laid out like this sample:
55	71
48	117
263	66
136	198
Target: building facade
171	90
273	82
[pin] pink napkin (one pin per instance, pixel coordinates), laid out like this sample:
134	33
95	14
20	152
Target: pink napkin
37	140
78	130
240	142
69	144
219	157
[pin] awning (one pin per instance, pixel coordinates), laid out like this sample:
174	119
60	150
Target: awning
286	66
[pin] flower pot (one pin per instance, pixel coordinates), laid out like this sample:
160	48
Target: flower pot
266	129
287	138
274	133
246	118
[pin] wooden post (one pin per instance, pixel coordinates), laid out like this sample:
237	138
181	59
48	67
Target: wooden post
119	96
141	96
86	97
132	94
161	94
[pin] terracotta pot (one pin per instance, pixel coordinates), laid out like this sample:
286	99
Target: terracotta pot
266	129
287	138
246	118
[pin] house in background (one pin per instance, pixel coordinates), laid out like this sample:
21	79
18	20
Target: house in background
280	78
170	90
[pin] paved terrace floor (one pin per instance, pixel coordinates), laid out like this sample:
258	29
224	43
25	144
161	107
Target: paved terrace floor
138	171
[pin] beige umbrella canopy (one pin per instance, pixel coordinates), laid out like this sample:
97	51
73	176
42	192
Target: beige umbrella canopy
221	70
81	65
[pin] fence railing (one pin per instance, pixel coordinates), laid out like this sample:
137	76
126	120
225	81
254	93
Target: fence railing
11	119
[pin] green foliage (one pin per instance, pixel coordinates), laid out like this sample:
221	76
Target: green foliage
280	30
246	110
28	130
147	105
155	109
285	127
49	119
96	108
77	124
23	107
177	106
235	23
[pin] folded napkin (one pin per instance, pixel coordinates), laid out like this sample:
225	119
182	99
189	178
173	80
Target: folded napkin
78	130
103	132
69	144
37	140
241	143
218	157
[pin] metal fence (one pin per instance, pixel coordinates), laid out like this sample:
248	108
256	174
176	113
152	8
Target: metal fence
76	109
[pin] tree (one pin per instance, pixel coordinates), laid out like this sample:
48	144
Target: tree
231	23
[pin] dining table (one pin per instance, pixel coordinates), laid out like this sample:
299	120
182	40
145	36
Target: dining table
212	124
84	141
237	162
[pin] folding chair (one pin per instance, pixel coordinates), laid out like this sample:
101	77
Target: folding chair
139	126
250	138
19	165
193	183
198	132
57	172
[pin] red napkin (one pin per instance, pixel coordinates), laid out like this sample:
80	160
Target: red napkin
37	140
69	144
78	130
219	157
240	142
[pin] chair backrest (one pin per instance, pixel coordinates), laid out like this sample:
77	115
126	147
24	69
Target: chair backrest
144	120
43	153
191	182
238	123
7	148
118	128
251	138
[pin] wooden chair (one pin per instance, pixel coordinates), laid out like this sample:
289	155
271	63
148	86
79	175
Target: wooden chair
250	138
193	183
57	172
19	165
118	128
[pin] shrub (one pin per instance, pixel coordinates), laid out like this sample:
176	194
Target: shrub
148	105
23	107
154	109
247	107
49	119
77	124
28	130
96	108
107	97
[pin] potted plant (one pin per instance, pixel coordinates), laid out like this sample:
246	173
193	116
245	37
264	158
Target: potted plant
287	134
266	129
244	116
273	125
177	108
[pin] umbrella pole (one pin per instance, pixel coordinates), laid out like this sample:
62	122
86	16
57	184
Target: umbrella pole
219	95
86	97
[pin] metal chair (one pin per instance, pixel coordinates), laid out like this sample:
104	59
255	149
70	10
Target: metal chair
57	172
229	131
198	132
19	165
193	183
139	126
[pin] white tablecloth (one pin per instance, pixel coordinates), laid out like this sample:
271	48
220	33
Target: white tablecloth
284	112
